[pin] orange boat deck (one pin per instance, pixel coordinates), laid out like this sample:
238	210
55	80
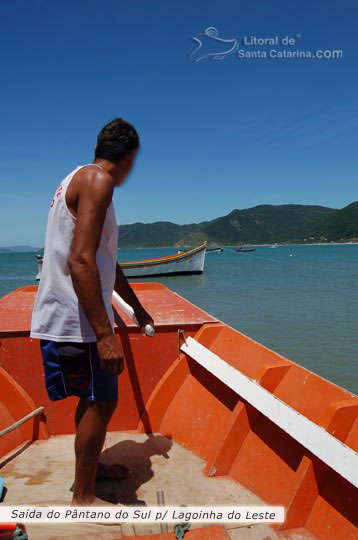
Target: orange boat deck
43	472
167	392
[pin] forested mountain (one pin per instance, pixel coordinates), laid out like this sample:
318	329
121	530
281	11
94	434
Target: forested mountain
262	224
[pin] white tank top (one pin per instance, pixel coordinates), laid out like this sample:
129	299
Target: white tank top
57	314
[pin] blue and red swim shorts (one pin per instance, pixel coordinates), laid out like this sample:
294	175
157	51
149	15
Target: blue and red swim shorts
73	369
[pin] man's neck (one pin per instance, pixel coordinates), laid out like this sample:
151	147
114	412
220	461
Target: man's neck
108	166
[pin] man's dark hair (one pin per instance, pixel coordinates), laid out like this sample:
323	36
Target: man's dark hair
115	140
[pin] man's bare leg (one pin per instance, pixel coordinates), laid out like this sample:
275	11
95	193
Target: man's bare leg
92	419
116	471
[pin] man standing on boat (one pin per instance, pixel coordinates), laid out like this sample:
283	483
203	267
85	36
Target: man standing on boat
73	315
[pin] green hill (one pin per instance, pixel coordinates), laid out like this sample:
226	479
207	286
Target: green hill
264	223
338	226
261	224
159	234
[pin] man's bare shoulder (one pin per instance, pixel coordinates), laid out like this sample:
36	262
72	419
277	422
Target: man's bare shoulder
89	184
93	177
90	180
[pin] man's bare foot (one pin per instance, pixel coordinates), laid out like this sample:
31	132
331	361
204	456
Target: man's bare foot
90	501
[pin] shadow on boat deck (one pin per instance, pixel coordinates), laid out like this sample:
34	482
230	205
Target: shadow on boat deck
137	456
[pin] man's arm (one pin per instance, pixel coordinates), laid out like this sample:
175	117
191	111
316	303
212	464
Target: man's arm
94	197
124	290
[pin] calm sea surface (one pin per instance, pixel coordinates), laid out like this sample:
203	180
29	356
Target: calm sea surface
300	301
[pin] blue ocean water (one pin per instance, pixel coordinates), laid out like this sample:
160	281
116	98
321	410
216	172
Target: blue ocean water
300	301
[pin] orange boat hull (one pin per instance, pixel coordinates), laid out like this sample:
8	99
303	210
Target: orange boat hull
166	391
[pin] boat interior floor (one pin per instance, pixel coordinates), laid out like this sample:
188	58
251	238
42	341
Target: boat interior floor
41	473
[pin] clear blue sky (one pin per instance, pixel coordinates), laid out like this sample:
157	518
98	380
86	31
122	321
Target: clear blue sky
216	135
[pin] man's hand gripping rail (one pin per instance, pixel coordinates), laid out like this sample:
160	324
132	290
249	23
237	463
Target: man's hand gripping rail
129	311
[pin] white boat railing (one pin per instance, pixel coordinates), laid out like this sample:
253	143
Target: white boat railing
333	452
129	311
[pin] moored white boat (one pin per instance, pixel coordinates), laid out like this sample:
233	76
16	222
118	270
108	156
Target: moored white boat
189	262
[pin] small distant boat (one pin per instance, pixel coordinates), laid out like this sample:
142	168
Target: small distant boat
244	249
189	262
274	246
